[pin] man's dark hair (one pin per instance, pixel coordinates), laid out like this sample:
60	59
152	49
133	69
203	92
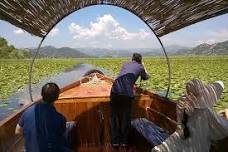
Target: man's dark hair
50	92
137	57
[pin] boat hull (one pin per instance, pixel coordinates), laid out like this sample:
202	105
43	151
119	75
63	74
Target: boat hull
90	109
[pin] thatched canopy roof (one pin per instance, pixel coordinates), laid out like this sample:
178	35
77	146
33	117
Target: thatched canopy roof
164	16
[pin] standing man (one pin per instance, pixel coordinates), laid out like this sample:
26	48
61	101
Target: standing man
122	96
42	126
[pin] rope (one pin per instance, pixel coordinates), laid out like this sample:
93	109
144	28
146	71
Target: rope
163	115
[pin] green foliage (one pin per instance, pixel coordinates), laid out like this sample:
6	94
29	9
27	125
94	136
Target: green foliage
14	73
208	69
10	52
3	42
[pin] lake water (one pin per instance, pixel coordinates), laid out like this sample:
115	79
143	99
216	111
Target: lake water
22	97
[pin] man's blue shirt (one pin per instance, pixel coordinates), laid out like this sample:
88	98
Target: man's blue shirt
43	129
129	73
28	123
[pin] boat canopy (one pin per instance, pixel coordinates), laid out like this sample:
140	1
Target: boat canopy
38	17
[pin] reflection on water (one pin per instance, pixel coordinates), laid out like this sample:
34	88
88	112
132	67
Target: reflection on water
22	96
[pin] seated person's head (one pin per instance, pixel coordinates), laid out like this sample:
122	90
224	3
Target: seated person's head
137	57
202	95
50	92
195	87
199	96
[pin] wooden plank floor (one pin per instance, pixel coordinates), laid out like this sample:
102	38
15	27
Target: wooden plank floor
106	148
19	147
137	144
98	90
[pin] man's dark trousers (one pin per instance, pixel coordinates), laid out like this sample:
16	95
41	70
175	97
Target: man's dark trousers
120	118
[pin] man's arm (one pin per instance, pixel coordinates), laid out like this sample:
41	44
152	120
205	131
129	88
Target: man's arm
18	130
224	113
20	124
144	74
144	67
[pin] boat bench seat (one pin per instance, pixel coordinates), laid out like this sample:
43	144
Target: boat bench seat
150	131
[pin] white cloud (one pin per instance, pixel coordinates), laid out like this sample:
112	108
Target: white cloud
220	35
214	37
169	40
18	31
54	32
209	36
208	41
105	27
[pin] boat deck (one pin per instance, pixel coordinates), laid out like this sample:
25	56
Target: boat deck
139	145
93	88
87	103
105	148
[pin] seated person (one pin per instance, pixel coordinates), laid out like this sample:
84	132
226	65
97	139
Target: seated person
42	126
199	124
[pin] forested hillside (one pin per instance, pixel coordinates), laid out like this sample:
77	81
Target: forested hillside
10	52
220	48
63	52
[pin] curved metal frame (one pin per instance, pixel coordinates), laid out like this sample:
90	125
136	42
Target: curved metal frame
31	66
101	3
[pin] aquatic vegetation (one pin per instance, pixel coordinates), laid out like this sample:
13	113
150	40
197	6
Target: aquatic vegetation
207	68
14	73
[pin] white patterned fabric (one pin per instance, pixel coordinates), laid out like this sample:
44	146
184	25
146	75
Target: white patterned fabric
204	124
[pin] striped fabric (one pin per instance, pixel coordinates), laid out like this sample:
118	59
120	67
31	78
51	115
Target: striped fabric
204	124
199	95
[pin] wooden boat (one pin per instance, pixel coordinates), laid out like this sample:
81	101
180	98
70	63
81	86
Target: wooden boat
89	106
87	102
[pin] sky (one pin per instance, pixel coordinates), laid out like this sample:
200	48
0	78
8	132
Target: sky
113	27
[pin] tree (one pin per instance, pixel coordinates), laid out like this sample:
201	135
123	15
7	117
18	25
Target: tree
9	51
3	42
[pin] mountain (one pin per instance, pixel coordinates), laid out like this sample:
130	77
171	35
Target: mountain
127	52
67	52
207	49
98	52
63	52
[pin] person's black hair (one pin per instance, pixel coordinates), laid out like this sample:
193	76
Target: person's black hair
50	92
137	57
93	71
